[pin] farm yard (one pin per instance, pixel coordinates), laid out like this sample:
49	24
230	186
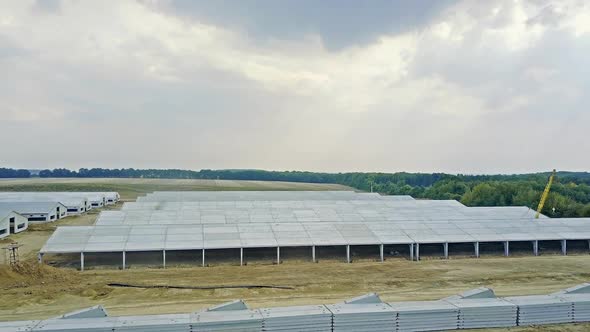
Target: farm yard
42	291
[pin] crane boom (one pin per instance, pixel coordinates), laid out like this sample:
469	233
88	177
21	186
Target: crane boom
545	195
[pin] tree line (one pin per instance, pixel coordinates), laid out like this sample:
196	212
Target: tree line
14	173
570	194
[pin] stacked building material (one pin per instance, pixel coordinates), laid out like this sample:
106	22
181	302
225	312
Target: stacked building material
426	316
18	326
580	306
103	324
363	317
542	309
579	296
156	323
472	309
485	312
300	318
232	320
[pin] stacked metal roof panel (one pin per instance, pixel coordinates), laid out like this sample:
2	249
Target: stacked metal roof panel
542	309
104	324
18	326
155	323
226	321
300	318
426	316
580	306
472	309
485	312
363	317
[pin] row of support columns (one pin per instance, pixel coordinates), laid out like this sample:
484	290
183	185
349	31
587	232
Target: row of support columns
347	253
414	253
506	245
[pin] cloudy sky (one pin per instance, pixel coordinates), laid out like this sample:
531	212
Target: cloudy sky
344	85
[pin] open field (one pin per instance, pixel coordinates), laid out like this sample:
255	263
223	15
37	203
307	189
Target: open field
44	291
129	189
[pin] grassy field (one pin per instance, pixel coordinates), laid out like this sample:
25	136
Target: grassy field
36	291
129	189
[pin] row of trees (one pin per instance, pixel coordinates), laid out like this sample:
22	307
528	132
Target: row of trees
570	195
14	173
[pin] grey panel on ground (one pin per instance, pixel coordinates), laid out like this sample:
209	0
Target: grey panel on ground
476	293
92	312
233	305
364	299
578	289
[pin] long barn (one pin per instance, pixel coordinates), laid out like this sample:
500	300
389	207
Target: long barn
209	222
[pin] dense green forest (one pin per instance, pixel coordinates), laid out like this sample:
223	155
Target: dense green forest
570	194
14	173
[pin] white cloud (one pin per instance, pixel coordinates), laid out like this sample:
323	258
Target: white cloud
473	61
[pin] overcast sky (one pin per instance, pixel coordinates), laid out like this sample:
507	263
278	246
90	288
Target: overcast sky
343	85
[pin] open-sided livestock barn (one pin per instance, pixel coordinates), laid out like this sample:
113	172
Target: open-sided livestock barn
192	221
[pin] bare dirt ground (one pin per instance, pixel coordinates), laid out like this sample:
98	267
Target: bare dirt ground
35	292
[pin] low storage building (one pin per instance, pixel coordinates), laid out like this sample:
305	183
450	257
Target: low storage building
74	204
11	222
5	223
37	212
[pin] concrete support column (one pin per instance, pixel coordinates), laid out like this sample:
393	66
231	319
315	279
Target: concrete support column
476	245
164	258
124	260
313	254
446	250
81	261
417	252
278	255
347	253
536	248
241	256
506	248
381	252
203	257
564	247
411	251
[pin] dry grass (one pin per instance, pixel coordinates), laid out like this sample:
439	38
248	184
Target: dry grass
46	295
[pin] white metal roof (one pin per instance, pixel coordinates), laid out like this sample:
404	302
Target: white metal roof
217	220
218	236
31	207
